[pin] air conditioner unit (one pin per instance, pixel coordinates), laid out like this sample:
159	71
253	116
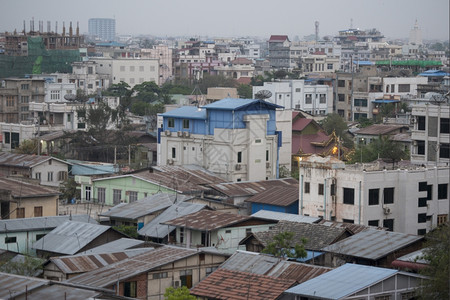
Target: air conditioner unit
238	167
186	134
168	133
386	210
176	283
180	133
267	165
170	161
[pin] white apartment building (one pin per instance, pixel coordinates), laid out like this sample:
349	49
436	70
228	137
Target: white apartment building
86	77
319	64
130	71
298	94
410	198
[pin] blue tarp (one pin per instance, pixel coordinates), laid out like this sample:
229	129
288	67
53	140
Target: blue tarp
385	101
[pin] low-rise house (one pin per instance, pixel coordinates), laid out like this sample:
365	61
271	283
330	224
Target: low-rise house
19	234
23	199
222	230
280	199
352	281
46	170
148	275
367	134
411	262
72	237
121	244
372	247
278	216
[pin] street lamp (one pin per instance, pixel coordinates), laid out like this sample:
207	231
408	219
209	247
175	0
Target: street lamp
361	148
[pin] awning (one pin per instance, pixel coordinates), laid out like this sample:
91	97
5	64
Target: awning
385	101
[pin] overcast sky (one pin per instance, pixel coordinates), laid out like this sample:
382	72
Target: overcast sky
237	18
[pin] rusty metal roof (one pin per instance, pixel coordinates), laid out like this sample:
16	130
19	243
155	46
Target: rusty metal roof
87	262
354	228
41	223
297	271
24	160
69	237
133	266
115	246
279	196
249	188
372	244
278	216
20	188
380	129
227	284
207	220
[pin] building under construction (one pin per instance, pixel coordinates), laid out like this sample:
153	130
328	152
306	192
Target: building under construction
36	51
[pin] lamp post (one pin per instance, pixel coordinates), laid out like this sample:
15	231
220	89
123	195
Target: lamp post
361	147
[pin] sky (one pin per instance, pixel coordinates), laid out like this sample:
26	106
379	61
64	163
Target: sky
235	18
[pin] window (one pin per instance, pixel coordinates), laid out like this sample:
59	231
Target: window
348	221
341	83
422	186
374	196
101	193
422	202
441	219
404	88
210	270
186	278
49	176
421	147
131	68
20	212
308	98
133	196
361	102
39	236
421	231
388	195
122	68
341	97
87	193
329	66
38	211
374	223
10	239
297	90
62	175
117	195
320	191
323	98
160	275
171	122
10	101
37	175
129	289
267	155
174	152
421	123
185	124
445	125
181	235
239	157
444	151
349	196
24	99
421	218
442	191
141	68
306	187
389	224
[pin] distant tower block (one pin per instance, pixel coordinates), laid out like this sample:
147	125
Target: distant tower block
317	30
415	35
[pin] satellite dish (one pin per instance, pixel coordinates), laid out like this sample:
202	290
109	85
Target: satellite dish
70	97
263	94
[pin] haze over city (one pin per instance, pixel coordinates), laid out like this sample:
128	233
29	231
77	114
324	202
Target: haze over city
394	19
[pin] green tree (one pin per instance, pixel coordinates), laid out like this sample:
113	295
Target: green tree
25	265
181	293
215	81
437	253
170	89
283	245
334	122
131	231
245	91
69	190
27	147
147	91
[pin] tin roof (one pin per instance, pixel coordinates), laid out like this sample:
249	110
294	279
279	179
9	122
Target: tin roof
296	271
20	188
372	244
24	160
207	220
354	228
186	112
69	237
377	129
341	282
82	263
41	223
249	188
155	227
133	266
235	104
226	284
279	196
274	215
115	246
144	207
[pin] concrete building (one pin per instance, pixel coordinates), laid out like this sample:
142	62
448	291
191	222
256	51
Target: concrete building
236	139
279	52
410	198
102	28
164	54
415	35
298	94
237	68
319	63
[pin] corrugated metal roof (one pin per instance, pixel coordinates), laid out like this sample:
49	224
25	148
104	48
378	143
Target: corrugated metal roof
87	262
234	104
372	244
207	220
22	189
297	271
279	196
250	262
377	129
115	246
343	281
12	285
24	160
190	112
144	207
278	216
249	188
133	266
41	223
354	228
69	237
156	229
58	292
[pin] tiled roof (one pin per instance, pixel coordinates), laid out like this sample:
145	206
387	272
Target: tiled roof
380	129
280	196
226	284
242	61
23	189
278	38
250	188
207	220
301	123
311	143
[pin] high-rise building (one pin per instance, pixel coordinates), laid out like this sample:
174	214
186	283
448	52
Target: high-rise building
415	35
102	28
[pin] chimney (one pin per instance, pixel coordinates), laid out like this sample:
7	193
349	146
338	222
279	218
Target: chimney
78	28
70	29
49	27
56	27
64	29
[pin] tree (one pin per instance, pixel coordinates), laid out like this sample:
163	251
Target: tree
69	190
245	91
181	293
437	253
283	245
334	122
25	265
215	81
131	231
27	147
147	91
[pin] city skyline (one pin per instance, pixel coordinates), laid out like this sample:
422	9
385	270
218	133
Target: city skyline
394	19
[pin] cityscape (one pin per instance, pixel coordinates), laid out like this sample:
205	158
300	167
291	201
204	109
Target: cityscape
251	151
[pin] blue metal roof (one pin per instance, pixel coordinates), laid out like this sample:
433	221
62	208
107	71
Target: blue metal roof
309	255
186	112
434	73
363	62
385	101
234	104
341	282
